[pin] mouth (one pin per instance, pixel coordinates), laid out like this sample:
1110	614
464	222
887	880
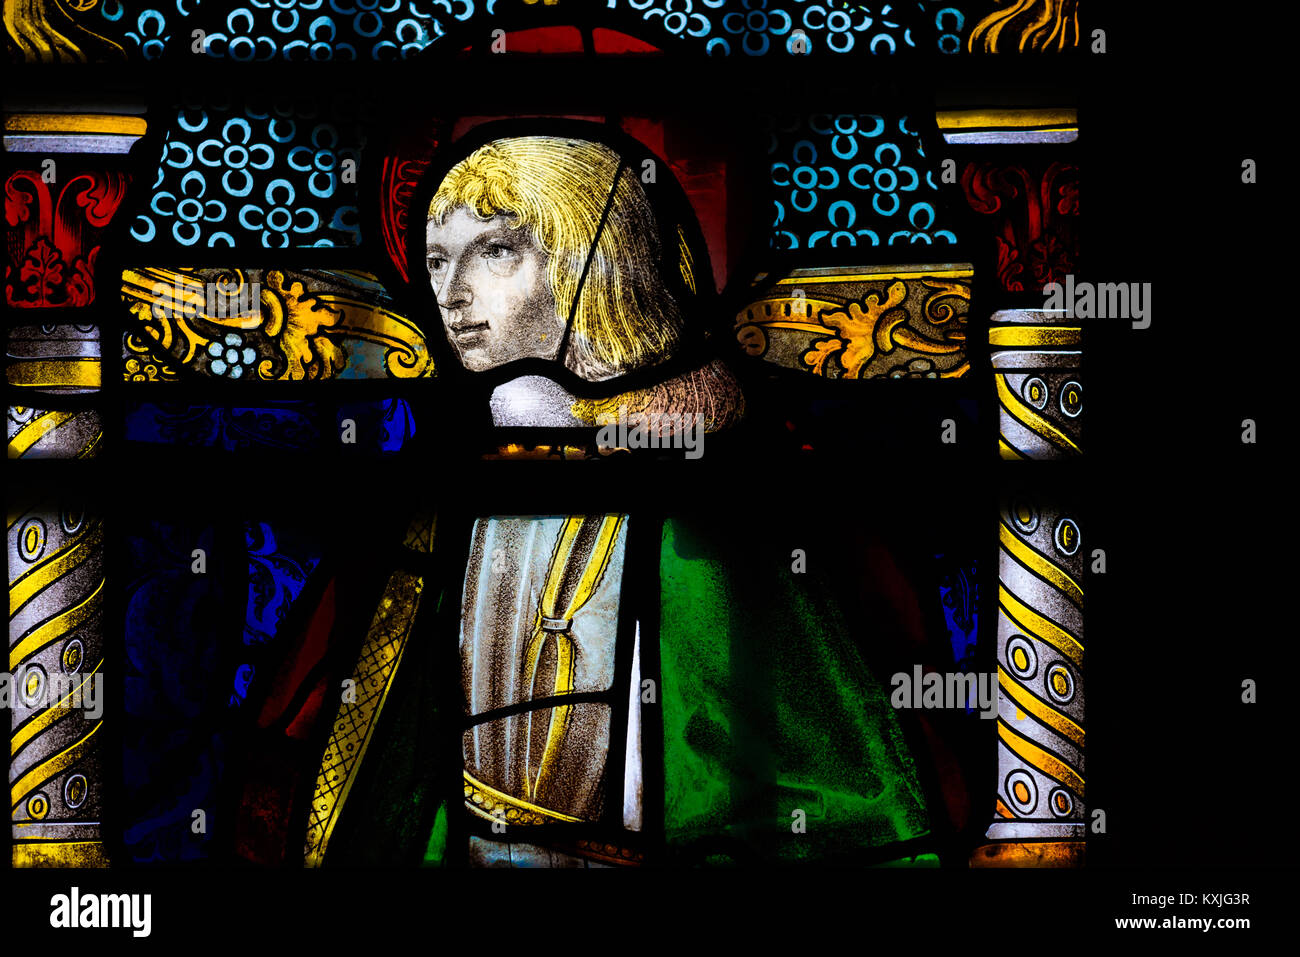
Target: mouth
469	330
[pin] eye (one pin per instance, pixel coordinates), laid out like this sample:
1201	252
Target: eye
496	251
437	264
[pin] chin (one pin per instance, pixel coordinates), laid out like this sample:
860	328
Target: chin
476	360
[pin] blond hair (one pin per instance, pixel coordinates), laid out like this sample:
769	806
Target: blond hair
625	318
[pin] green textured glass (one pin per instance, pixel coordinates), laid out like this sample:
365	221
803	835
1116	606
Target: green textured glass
779	743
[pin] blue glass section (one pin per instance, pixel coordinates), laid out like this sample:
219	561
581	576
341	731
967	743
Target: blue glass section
278	568
270	176
172	758
959	593
322	30
781	27
854	181
381	426
144	29
298	31
393	425
950	25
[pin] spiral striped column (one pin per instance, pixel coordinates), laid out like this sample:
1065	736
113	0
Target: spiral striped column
1036	360
53	434
1039	817
56	657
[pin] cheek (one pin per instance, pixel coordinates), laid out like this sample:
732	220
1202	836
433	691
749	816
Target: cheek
529	279
535	287
510	294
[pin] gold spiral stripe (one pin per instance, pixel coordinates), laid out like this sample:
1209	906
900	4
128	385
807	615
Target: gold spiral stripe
34	431
91	446
50	767
1037	626
59	854
1040	759
1032	705
30	729
49	570
1035	336
1007	450
1030	418
1038	563
56	373
1005	119
74	123
57	627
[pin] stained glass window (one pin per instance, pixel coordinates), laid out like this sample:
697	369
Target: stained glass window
638	434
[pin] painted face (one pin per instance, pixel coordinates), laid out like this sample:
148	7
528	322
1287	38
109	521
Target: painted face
491	286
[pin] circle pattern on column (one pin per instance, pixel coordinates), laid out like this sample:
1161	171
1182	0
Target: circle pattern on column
1022	789
72	656
38	805
1071	399
1060	802
1021	657
1067	536
1035	392
1060	683
75	791
33	685
1024	517
31	540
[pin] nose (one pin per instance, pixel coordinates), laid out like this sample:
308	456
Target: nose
454	294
